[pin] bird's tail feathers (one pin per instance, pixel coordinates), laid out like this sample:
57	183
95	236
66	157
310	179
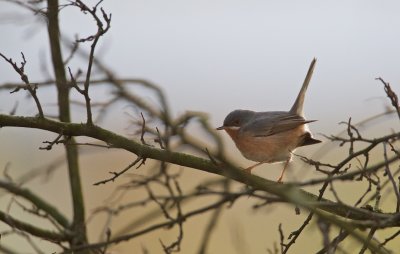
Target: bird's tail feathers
297	107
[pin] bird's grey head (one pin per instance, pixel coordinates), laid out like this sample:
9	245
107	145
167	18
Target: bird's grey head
237	119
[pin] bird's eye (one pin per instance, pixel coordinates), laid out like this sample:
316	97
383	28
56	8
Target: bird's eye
236	122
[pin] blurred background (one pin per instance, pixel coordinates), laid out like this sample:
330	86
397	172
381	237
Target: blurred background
213	57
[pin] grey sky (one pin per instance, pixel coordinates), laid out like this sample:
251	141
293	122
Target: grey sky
215	56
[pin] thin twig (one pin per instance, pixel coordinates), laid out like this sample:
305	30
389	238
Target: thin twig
143	129
117	174
51	143
392	95
153	227
370	235
390	176
28	86
281	238
101	30
159	139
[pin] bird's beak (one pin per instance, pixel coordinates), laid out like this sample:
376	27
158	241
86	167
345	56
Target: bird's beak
220	128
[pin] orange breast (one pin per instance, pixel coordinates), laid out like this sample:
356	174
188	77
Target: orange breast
269	149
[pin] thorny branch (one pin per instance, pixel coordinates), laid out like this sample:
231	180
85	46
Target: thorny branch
213	163
153	227
101	30
331	170
392	95
391	179
117	174
28	86
357	166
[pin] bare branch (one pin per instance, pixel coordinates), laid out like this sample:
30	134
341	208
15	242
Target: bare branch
392	95
44	234
117	174
28	86
101	30
390	176
37	201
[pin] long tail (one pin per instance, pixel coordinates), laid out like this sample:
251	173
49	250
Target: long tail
297	107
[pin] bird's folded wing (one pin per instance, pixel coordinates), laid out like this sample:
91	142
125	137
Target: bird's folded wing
274	124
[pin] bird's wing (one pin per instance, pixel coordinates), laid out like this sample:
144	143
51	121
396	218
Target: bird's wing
273	123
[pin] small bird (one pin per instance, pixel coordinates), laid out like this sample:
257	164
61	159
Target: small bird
268	137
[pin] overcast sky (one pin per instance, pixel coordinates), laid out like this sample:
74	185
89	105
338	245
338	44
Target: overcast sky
216	56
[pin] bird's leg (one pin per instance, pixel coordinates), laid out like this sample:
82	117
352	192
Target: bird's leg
283	171
249	169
